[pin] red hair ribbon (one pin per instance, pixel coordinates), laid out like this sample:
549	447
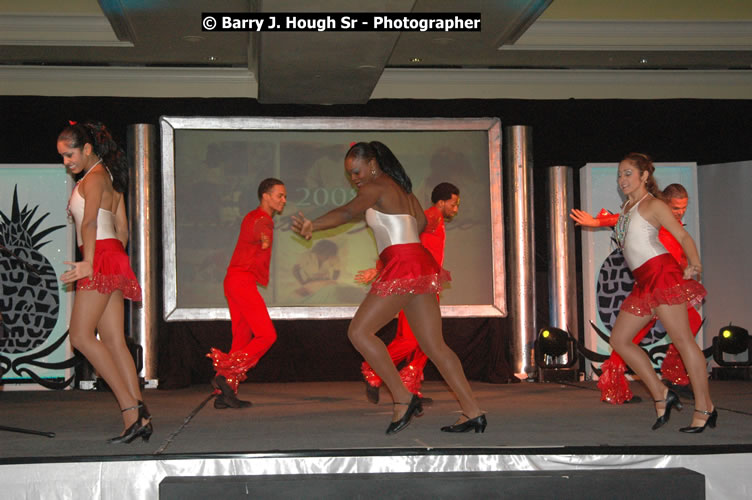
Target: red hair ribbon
353	143
72	122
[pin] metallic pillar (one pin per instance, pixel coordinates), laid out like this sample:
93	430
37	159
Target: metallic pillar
562	284
144	234
518	164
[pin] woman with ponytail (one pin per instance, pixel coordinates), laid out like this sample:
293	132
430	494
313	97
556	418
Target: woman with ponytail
104	276
409	281
661	288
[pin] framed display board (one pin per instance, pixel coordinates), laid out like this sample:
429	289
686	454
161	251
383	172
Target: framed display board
211	170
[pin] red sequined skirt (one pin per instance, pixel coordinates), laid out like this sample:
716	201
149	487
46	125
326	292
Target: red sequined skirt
112	271
409	268
660	281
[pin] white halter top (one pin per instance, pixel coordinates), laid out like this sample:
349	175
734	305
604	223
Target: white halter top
105	218
392	229
638	238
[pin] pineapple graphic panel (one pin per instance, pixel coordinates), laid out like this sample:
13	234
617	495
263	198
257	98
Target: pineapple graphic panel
35	240
30	298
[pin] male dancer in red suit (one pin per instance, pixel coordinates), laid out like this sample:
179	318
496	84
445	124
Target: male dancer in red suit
612	383
446	202
252	330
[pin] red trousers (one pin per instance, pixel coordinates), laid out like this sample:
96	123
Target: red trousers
252	330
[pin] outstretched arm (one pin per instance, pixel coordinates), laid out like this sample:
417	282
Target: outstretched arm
367	197
604	218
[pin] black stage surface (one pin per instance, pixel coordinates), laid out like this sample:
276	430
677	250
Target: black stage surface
335	418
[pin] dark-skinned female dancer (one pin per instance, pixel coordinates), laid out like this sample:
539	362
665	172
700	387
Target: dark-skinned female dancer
409	281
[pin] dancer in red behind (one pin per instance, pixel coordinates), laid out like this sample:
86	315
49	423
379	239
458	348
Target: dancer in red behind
252	330
612	382
446	202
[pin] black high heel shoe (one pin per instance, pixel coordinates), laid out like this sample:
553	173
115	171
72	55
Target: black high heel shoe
414	408
478	424
671	400
137	428
711	421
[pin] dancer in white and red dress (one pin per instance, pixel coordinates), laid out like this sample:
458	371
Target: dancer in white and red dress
612	382
404	347
252	330
661	288
409	281
104	276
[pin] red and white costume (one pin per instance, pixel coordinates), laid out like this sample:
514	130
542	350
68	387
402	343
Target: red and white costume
405	346
252	330
112	268
658	270
658	277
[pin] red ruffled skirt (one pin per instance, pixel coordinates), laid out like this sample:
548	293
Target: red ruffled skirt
112	271
661	281
409	268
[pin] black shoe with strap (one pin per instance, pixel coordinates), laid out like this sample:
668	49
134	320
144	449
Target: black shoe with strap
710	422
671	400
414	408
137	428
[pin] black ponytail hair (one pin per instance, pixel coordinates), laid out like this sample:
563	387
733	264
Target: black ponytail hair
388	163
77	135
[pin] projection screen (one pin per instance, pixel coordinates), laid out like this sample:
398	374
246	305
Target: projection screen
211	168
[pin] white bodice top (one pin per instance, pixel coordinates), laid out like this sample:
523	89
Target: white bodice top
105	218
392	229
638	238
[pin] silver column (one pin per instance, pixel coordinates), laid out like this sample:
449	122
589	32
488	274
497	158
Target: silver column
562	284
518	164
142	248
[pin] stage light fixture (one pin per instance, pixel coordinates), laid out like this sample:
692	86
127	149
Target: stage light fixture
553	342
555	355
732	340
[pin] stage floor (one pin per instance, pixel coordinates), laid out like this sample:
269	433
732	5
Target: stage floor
335	418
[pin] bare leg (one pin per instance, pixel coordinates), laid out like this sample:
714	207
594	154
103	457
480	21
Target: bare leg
624	330
88	307
375	312
112	334
676	321
424	316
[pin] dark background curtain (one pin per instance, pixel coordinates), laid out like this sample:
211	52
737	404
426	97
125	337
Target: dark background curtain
565	132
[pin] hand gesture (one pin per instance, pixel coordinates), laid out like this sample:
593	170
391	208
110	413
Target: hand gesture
366	276
582	218
79	271
302	226
692	270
